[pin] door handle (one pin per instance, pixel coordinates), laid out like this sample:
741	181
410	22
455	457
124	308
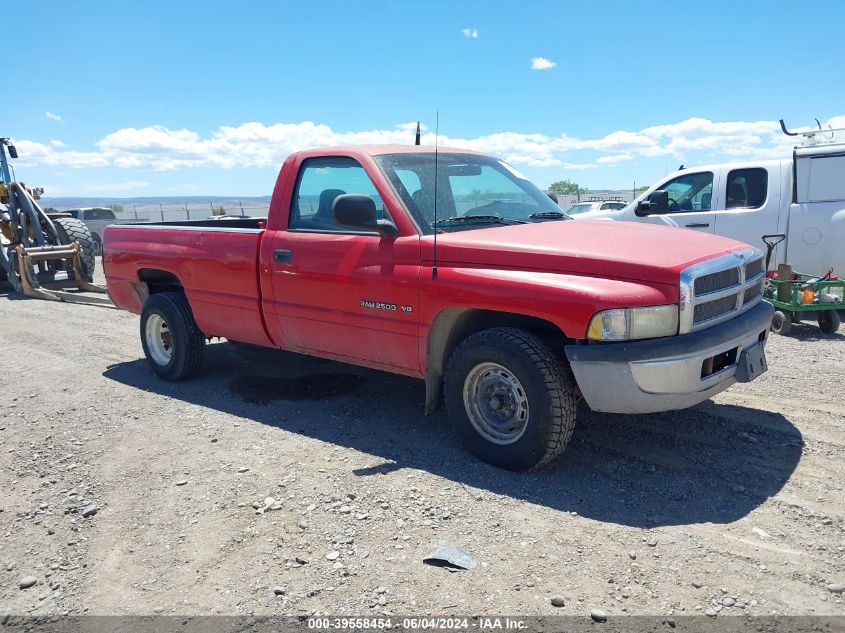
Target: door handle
698	225
282	256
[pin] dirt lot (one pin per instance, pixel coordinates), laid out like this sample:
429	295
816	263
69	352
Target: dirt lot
735	506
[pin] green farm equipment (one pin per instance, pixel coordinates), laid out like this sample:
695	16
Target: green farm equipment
794	294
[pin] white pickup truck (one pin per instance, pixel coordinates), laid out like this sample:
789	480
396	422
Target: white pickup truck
802	198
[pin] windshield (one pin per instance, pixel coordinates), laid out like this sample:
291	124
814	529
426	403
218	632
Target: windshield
467	185
579	208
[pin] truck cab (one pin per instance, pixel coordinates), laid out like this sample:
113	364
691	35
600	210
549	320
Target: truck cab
96	219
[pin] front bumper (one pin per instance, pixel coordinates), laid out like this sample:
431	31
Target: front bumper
665	374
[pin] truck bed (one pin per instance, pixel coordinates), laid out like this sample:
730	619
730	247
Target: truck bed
231	223
215	261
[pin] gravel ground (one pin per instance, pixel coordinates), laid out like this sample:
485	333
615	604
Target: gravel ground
280	484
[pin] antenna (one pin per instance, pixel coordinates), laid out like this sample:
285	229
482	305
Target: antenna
417	139
434	224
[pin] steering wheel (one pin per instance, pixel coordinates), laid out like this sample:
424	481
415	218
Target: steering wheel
673	205
484	209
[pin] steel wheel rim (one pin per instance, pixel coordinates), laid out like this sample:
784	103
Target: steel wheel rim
159	339
496	403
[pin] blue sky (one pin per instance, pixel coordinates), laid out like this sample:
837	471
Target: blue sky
181	98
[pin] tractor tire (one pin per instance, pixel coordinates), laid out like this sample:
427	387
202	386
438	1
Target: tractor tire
172	342
73	230
781	323
509	399
829	321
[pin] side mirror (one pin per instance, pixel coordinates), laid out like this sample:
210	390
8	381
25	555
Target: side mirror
657	202
553	196
13	152
359	212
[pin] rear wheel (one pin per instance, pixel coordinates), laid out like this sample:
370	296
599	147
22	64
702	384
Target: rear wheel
73	230
509	399
781	323
829	321
173	344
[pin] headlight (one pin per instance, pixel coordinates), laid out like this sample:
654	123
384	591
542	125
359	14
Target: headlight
634	323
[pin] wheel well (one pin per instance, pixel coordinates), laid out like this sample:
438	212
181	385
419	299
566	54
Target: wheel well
454	325
159	280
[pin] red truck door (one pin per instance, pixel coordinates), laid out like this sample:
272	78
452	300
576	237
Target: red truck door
339	291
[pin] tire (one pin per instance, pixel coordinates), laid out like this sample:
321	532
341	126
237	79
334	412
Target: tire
534	398
173	344
98	245
73	230
829	321
781	323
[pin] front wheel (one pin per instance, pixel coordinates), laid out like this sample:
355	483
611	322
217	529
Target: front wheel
509	399
829	321
781	323
173	344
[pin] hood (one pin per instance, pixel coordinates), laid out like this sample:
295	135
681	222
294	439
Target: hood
620	250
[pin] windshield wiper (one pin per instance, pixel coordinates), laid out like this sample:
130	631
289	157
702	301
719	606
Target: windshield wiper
548	215
477	219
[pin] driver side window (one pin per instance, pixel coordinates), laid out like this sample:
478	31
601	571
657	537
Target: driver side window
690	192
319	182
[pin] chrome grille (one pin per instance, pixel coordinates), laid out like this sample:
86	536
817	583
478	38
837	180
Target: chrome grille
719	289
712	309
753	292
716	281
754	268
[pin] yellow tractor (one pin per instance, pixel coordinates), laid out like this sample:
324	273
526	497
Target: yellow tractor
42	254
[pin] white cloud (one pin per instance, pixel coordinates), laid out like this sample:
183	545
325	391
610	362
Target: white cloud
57	143
53	117
470	33
613	159
253	144
541	63
32	153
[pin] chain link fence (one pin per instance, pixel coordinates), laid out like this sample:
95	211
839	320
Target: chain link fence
173	211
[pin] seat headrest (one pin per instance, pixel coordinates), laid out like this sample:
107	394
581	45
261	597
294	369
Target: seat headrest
327	198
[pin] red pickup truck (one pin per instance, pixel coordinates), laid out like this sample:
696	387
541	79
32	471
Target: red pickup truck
453	268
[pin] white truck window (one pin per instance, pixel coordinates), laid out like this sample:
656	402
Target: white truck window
690	192
823	178
747	188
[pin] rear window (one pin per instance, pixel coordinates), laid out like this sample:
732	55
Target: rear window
747	188
99	214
